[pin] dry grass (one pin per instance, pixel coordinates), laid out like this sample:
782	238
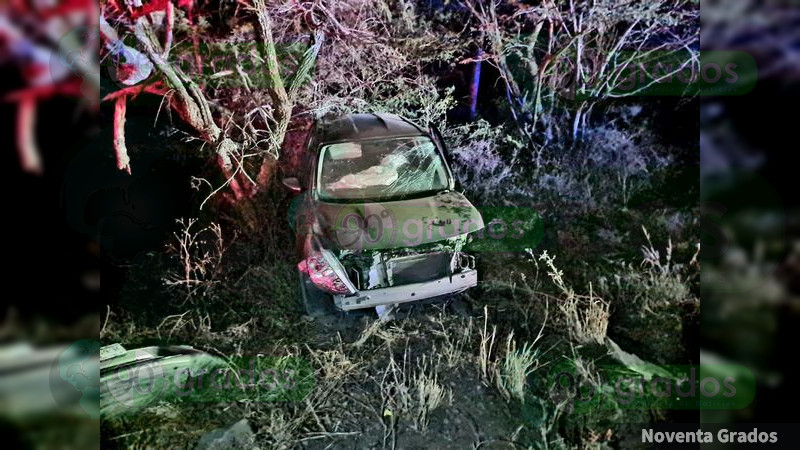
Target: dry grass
411	390
429	392
456	336
658	282
516	366
453	351
334	364
584	316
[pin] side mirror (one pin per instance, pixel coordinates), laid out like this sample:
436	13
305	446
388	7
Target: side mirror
293	184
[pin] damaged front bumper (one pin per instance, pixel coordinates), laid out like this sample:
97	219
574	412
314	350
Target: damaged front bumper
456	283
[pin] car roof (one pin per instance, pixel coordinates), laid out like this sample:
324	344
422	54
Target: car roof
357	127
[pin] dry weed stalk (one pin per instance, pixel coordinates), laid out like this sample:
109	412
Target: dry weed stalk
486	364
517	365
430	394
196	323
412	391
584	316
199	253
452	351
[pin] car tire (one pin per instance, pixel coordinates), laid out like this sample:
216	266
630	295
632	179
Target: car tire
315	303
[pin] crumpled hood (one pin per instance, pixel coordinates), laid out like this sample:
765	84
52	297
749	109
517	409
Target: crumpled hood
397	224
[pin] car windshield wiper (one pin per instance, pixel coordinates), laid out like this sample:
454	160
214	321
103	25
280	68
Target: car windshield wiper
411	195
392	198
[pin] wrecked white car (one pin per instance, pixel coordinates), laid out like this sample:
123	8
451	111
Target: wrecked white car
379	222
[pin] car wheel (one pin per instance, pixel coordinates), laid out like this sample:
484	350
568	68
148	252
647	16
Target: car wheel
315	303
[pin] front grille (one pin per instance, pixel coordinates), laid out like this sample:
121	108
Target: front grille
417	268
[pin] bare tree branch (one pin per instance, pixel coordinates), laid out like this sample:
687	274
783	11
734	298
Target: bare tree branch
123	160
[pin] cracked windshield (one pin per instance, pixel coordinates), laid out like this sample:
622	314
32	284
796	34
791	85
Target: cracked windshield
381	170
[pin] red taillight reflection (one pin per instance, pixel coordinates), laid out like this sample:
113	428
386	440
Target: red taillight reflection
322	274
